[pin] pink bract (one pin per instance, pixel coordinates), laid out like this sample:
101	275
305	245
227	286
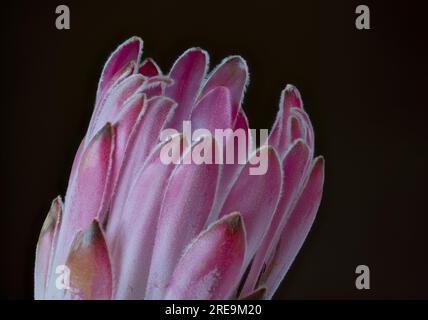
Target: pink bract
132	227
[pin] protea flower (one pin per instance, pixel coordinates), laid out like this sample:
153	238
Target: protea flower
132	227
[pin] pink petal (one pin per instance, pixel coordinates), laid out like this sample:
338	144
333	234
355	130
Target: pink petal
307	124
92	189
296	130
115	101
295	166
127	121
155	86
232	73
132	237
128	51
296	228
186	205
75	165
141	142
121	76
214	111
149	68
210	267
241	121
187	73
290	98
249	196
89	194
230	171
46	248
89	264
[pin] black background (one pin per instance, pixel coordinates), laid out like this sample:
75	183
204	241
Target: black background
364	90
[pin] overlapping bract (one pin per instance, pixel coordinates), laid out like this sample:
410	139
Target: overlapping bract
132	227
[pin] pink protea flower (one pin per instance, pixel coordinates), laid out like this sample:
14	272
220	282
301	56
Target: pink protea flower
132	227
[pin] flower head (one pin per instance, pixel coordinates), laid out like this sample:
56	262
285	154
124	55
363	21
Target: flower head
133	227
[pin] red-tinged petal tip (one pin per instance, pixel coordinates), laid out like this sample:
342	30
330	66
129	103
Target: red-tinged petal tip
45	248
149	68
211	266
89	263
52	217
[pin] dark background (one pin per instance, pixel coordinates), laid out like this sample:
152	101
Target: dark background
364	90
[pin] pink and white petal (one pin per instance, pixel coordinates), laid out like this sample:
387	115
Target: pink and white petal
241	122
296	130
248	196
211	266
89	194
290	98
116	100
121	76
89	264
294	167
124	125
141	142
149	68
231	73
155	86
231	171
92	187
307	124
187	203
46	248
214	111
187	73
125	122
75	165
132	237
296	228
129	51
159	110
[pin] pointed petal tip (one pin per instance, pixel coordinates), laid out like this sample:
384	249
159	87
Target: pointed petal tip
291	88
52	217
93	231
195	50
134	38
149	68
234	221
107	129
89	263
292	94
149	60
300	142
86	237
271	150
238	60
319	160
223	254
